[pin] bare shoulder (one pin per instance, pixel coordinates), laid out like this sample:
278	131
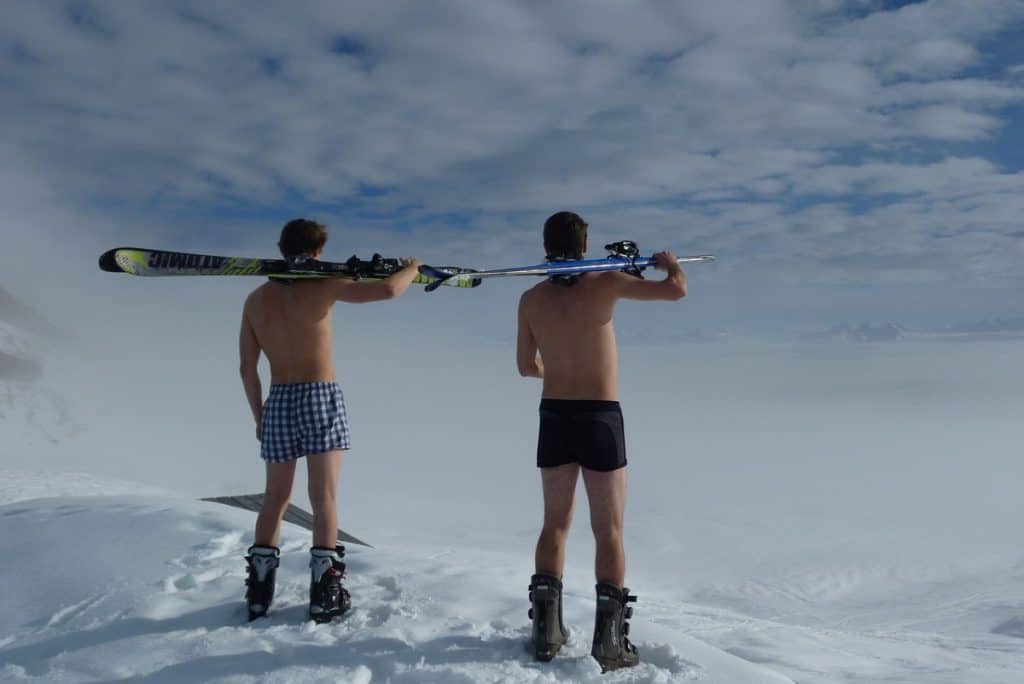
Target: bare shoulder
527	301
253	297
530	295
611	282
613	277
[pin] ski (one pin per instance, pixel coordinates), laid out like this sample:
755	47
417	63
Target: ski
622	256
154	262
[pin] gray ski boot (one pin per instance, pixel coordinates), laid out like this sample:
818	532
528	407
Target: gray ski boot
612	648
549	632
327	598
261	573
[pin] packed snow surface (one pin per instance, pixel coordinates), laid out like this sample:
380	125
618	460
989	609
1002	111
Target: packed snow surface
156	597
121	588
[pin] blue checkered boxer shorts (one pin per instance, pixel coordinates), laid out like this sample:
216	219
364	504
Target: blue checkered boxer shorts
303	418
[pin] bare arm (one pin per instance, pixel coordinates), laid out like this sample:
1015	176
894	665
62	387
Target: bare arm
249	357
529	362
361	292
673	287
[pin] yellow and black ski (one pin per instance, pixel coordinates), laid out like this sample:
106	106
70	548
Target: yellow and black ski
154	262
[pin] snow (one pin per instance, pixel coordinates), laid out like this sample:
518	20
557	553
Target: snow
31	412
157	598
14	340
39	483
817	514
148	588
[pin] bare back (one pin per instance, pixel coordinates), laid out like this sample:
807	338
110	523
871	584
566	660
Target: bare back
572	326
292	323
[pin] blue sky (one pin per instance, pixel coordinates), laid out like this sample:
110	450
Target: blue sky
847	160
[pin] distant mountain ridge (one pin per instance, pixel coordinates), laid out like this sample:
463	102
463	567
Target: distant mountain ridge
990	325
861	333
17	360
887	332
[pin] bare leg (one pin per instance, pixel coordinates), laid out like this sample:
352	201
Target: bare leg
275	501
559	497
606	492
323	493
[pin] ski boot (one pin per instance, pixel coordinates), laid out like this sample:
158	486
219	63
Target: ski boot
262	564
612	648
549	632
327	598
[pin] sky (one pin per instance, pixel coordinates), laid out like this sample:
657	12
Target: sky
848	160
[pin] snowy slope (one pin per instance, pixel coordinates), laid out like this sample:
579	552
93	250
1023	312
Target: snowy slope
158	599
849	515
148	589
32	414
31	411
17	484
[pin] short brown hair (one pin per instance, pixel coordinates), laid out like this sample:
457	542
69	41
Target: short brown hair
565	236
302	237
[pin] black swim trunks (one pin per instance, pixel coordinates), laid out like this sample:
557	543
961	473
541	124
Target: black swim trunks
588	432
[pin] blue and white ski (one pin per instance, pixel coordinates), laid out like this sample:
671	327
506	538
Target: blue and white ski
622	256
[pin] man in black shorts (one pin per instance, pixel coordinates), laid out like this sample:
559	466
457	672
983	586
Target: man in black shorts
566	337
584	431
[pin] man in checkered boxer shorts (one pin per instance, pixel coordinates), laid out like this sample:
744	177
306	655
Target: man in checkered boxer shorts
304	413
303	418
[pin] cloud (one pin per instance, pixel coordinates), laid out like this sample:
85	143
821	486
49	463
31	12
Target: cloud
932	58
950	123
795	133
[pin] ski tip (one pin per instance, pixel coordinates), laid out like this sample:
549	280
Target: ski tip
696	259
438	276
122	260
108	261
432	272
448	275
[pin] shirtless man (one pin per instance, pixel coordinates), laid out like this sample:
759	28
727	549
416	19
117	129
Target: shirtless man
569	322
304	413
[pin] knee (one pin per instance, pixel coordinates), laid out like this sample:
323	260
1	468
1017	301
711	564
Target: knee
275	504
277	495
555	531
321	498
608	538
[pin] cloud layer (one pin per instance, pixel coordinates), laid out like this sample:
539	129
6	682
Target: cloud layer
825	144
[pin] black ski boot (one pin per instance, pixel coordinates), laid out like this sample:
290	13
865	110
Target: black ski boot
327	598
549	632
612	648
262	564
